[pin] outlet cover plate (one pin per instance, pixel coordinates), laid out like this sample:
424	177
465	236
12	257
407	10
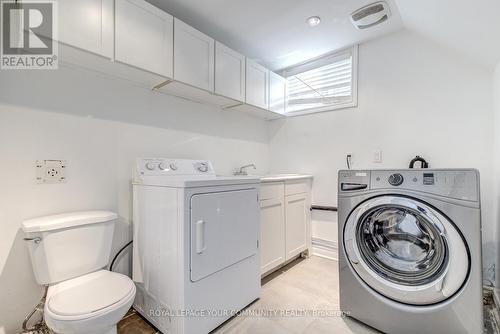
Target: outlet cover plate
51	171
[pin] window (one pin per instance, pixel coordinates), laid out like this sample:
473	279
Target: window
325	83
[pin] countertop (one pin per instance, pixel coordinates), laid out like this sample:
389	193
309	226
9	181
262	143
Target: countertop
283	177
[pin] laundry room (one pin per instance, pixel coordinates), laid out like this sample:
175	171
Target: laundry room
194	167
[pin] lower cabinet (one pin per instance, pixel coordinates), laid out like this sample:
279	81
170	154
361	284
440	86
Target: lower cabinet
296	214
272	230
285	222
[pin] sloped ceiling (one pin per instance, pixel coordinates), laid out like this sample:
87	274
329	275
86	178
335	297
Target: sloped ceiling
274	32
470	27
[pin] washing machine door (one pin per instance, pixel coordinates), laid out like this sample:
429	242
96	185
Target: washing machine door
406	250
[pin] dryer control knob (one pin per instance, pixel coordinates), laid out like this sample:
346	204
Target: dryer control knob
203	167
396	179
163	166
173	166
150	165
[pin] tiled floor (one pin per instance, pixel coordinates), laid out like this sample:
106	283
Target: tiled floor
307	285
132	323
302	287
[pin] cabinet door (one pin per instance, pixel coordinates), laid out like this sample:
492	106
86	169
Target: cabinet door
144	36
257	84
87	24
193	56
296	211
229	73
272	234
277	92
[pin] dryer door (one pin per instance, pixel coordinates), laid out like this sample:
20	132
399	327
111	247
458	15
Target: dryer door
406	250
224	230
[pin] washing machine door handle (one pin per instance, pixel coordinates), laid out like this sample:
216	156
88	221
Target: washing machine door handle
351	253
439	284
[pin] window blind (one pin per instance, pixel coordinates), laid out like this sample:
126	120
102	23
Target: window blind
325	82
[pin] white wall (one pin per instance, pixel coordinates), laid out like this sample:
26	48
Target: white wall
496	102
415	97
100	126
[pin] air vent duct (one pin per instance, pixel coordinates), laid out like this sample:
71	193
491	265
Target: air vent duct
371	15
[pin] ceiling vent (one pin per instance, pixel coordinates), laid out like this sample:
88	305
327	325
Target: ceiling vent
371	15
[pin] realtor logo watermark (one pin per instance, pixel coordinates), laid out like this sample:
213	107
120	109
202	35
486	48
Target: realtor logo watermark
28	38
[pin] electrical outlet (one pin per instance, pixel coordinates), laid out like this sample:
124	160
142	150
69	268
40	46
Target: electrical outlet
51	171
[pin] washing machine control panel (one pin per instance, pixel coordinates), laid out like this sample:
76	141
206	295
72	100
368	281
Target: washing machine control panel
461	184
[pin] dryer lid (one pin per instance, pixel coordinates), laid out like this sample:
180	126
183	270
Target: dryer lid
89	293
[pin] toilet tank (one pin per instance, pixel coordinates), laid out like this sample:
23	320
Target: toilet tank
69	245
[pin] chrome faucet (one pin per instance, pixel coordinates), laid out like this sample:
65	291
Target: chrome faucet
243	171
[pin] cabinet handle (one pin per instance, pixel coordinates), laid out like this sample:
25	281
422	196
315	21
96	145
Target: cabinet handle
200	236
36	240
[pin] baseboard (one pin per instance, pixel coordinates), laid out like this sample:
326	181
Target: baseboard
325	248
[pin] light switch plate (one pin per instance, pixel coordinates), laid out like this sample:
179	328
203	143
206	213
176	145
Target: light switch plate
377	156
51	171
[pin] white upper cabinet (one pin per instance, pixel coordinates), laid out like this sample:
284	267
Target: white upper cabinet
229	73
87	24
257	85
144	36
193	56
277	92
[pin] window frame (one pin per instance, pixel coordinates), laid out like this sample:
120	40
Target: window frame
318	62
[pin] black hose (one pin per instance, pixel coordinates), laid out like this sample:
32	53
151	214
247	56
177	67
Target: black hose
118	254
424	163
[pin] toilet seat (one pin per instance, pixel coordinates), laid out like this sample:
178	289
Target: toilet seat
89	296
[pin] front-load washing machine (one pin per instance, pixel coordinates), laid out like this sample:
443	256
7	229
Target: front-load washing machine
196	244
410	250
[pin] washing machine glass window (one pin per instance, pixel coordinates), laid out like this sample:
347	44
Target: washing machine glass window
406	250
402	245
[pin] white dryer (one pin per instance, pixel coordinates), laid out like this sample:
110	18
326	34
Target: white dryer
196	244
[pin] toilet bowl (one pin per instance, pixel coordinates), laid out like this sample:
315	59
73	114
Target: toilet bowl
93	303
68	253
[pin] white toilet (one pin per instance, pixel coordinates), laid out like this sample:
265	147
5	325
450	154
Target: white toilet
68	253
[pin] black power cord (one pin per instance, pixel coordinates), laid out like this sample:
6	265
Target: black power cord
118	254
348	161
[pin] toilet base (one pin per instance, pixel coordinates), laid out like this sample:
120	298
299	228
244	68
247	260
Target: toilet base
112	330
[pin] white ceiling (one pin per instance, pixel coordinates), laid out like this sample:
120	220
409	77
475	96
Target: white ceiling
471	27
274	32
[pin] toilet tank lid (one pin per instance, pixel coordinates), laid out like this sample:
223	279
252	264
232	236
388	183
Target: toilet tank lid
65	220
